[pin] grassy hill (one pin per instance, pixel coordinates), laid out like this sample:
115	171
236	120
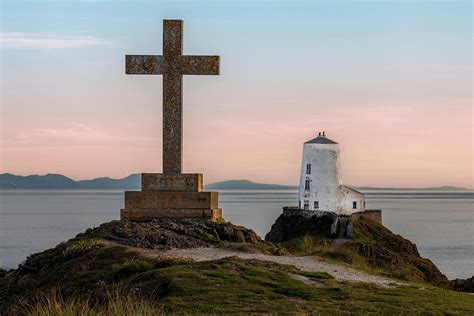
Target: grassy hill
105	270
374	248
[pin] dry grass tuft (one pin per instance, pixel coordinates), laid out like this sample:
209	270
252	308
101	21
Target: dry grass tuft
53	304
308	244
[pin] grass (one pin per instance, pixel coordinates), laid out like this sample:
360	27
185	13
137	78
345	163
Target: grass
234	285
87	276
247	286
78	277
374	249
116	304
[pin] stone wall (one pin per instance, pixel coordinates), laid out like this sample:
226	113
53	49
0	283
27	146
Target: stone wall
295	221
373	215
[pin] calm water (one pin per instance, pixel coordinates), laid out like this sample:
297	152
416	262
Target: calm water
440	223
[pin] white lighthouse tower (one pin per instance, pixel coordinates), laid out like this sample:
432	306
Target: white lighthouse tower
321	187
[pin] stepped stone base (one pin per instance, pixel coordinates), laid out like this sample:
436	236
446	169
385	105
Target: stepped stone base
171	195
187	182
160	199
131	214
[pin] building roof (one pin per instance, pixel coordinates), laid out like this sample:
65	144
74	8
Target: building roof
352	189
321	139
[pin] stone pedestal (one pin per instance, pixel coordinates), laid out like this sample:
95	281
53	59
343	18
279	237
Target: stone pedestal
171	195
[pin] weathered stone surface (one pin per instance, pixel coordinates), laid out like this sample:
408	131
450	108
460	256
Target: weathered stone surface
172	65
132	214
170	200
373	215
185	182
167	233
171	194
296	223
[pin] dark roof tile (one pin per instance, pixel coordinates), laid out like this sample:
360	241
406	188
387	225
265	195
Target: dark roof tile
321	140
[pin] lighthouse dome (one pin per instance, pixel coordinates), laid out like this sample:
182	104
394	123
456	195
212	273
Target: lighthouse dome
321	139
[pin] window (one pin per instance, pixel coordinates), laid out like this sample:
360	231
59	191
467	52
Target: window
316	205
354	205
306	185
306	205
308	168
299	204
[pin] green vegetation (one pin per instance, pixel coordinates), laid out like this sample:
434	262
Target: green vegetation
374	249
92	276
235	285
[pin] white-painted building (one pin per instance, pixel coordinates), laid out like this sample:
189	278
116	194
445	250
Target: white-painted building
321	187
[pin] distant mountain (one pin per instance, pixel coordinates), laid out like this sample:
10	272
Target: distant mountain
58	181
247	185
441	188
132	182
49	181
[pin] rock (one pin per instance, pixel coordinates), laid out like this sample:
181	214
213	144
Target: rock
373	243
463	285
167	233
294	223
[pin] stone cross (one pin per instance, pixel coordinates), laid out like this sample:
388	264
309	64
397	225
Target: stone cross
172	65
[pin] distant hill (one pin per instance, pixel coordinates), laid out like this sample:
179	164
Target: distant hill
441	188
247	185
49	181
132	182
58	181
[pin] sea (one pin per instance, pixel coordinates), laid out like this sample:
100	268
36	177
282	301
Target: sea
440	223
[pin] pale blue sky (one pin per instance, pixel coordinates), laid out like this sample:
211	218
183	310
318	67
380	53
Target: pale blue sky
371	73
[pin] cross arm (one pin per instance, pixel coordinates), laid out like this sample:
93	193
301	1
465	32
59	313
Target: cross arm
144	64
199	65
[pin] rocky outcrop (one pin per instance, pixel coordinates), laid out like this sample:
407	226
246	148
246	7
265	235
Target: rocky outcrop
359	238
167	233
391	252
463	285
294	223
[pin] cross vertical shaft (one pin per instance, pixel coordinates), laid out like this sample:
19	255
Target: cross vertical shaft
172	98
172	65
172	123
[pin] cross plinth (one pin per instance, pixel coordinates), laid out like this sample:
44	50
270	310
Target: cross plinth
172	193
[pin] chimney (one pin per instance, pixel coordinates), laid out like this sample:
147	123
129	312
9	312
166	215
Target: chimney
324	135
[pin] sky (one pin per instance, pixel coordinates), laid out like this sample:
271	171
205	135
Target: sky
391	81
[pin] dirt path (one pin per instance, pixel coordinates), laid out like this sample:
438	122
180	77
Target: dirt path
340	273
